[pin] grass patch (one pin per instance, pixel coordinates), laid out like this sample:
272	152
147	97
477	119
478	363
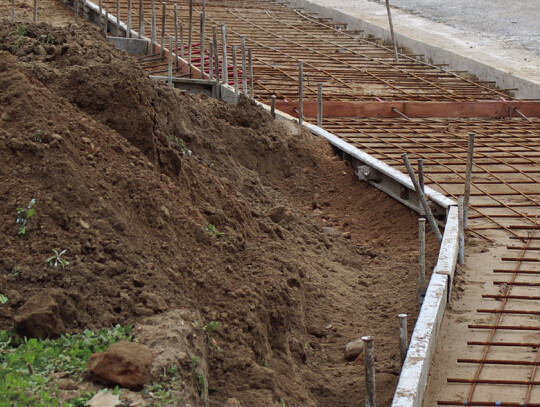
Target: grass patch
27	365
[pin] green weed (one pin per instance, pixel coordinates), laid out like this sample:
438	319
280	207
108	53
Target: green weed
3	299
213	230
56	259
178	142
27	366
23	216
19	32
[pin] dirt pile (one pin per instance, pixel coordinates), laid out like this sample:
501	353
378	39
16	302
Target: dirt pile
164	201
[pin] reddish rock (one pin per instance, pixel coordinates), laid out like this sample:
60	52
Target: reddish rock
39	318
125	363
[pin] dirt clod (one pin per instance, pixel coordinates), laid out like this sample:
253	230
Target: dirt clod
39	318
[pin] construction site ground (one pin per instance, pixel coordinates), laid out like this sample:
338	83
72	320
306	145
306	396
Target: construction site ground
491	322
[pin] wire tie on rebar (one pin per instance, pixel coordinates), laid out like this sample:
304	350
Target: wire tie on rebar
401	114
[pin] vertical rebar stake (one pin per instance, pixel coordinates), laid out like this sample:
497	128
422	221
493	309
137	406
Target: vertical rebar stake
13	9
216	60
202	29
273	107
169	77
319	104
141	20
129	13
369	365
392	31
421	179
300	93
182	40
468	177
403	337
251	82
421	258
461	231
211	61
176	34
106	22
244	68
100	17
76	9
224	62
117	17
153	28
235	69
190	34
163	15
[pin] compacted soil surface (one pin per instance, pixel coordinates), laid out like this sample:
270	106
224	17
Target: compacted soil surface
180	209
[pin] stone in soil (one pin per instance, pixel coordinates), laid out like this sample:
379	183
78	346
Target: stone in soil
125	363
39	317
354	349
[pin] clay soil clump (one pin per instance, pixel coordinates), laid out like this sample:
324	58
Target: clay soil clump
166	201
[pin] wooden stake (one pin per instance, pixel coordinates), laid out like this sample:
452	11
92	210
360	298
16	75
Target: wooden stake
273	107
422	197
141	20
319	104
251	87
35	10
202	29
369	364
403	337
169	78
176	33
468	177
421	259
392	31
300	93
461	231
224	62
244	68
235	69
163	16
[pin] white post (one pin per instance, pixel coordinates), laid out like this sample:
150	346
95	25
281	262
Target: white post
235	69
403	337
461	230
224	62
468	177
369	364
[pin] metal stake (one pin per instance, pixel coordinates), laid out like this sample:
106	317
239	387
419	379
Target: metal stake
141	20
421	258
106	22
182	40
468	176
427	209
163	15
369	364
235	69
461	231
421	178
251	88
202	17
273	107
117	17
169	78
300	93
128	33
35	10
225	68
244	68
190	39
403	337
319	104
12	8
153	28
211	62
76	9
392	31
176	33
100	18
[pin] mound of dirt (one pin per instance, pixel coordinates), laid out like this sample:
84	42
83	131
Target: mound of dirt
163	201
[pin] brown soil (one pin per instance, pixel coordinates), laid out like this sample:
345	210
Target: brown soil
310	259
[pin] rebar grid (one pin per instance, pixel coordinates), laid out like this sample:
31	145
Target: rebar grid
350	67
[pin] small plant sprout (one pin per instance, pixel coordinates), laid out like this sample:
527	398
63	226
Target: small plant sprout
37	137
3	299
57	260
23	215
212	229
20	32
178	142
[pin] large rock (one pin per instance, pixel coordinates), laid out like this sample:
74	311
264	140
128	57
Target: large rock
354	349
125	363
39	317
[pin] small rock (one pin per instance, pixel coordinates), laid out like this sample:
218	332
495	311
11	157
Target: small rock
86	140
84	224
125	363
330	231
6	117
232	402
279	213
354	349
347	235
165	211
39	317
56	136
